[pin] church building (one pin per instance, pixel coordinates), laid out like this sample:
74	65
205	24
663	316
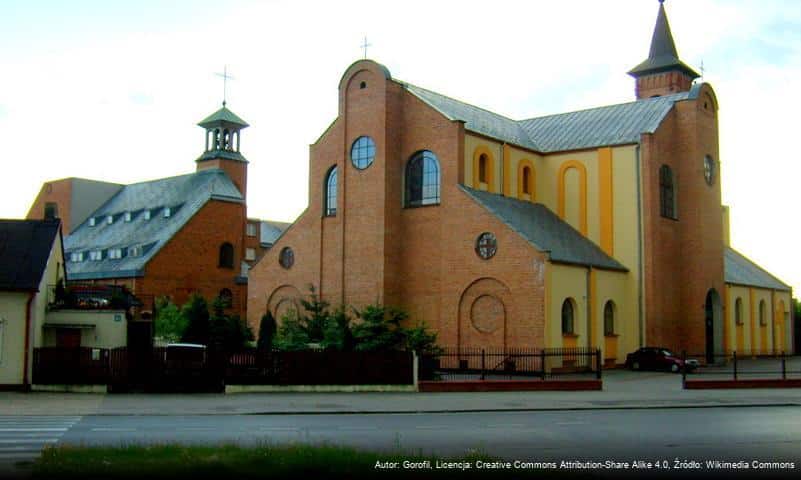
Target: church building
171	236
597	228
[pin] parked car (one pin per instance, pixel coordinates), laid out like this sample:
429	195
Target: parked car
658	358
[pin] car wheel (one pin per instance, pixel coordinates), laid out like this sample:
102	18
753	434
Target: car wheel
635	366
674	368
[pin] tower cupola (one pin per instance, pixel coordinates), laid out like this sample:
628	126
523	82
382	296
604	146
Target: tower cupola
223	131
662	73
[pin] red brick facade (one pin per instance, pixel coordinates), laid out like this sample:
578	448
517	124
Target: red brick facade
375	250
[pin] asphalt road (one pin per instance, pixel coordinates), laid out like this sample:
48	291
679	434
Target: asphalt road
758	433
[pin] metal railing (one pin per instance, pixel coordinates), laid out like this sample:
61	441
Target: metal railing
741	366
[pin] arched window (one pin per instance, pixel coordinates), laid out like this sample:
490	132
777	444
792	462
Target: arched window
226	297
331	192
527	180
226	140
609	318
226	255
667	193
422	179
216	142
738	311
763	314
482	168
567	316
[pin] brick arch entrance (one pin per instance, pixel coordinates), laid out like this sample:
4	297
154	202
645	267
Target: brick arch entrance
282	301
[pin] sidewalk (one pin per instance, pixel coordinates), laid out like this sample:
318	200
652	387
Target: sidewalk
622	390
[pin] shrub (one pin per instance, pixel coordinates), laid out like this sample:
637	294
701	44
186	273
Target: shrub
169	323
196	313
267	331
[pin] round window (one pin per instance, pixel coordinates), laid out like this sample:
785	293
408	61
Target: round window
362	153
709	170
286	258
486	245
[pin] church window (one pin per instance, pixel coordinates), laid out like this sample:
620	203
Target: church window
216	141
362	152
486	245
250	229
226	255
331	192
422	179
226	298
567	316
527	180
286	258
250	254
50	211
482	168
115	253
738	311
763	315
363	85
609	318
667	193
95	255
226	139
709	170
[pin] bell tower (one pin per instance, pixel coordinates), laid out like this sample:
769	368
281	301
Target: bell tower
223	130
662	73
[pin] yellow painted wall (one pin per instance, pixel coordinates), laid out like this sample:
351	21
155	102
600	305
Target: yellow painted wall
782	322
738	336
615	286
472	143
567	281
758	338
110	327
12	316
763	333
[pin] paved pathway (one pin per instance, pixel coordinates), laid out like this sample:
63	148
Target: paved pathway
22	438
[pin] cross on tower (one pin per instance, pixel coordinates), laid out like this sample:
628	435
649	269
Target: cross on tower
365	45
225	78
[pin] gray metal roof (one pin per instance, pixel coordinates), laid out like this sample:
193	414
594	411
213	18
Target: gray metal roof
270	231
183	195
742	271
545	230
596	127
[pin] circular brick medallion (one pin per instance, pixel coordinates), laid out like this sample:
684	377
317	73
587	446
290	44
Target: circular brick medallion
487	314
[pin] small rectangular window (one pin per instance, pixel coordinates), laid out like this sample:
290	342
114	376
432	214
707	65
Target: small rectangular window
115	253
95	255
76	257
127	216
91	221
250	254
147	214
50	211
167	212
110	219
251	230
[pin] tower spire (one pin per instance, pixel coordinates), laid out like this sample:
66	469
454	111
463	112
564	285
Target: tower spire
662	72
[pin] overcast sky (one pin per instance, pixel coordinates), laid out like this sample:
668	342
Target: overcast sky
112	90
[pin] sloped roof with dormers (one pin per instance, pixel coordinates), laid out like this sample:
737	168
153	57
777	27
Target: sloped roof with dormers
610	125
140	238
543	229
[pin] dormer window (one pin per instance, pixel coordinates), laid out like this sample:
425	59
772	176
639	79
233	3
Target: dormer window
110	219
91	221
95	255
115	253
127	216
147	214
135	251
167	212
76	257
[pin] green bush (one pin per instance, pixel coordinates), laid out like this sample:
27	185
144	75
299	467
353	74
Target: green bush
169	323
267	331
196	313
291	335
380	328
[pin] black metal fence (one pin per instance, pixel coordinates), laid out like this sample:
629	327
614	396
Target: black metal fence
153	370
741	366
486	363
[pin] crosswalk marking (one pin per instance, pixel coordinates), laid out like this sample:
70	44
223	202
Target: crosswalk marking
22	438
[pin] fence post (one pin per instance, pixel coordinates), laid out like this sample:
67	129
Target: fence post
482	363
684	369
734	353
598	362
784	366
542	362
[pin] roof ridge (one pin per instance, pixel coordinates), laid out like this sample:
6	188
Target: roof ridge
405	84
672	97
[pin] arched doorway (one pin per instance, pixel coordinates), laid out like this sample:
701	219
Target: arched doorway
713	321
